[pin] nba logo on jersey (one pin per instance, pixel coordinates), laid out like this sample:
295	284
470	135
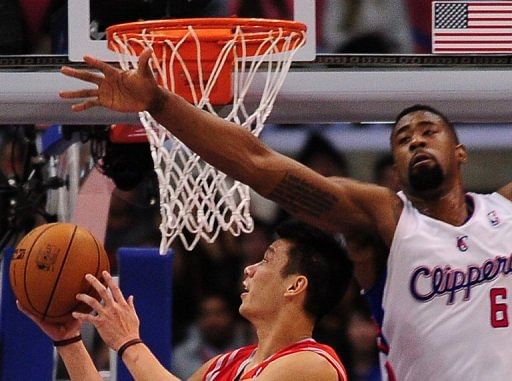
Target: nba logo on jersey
493	218
462	243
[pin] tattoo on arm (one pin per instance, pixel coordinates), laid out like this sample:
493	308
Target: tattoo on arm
298	196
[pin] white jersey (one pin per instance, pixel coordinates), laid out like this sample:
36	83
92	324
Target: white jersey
447	298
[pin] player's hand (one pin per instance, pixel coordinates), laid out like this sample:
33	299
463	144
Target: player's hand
119	90
116	319
55	331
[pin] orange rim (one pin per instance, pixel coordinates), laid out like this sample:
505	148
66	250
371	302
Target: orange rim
252	38
252	28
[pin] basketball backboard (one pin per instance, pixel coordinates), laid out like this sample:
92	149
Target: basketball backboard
86	34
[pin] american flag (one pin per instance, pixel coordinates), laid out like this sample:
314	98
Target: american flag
472	27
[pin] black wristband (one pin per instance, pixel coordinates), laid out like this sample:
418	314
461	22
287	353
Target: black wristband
126	345
61	343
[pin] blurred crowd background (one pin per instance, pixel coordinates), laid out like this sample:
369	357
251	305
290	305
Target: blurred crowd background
207	281
348	26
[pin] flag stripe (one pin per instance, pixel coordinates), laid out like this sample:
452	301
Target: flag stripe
475	50
473	9
451	40
488	4
482	42
488	13
471	27
489	23
491	20
472	34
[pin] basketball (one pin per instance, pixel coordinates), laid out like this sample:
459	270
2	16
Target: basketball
48	267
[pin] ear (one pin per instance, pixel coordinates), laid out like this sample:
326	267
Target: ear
462	153
298	285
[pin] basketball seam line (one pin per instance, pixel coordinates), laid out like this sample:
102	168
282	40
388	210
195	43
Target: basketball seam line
98	267
60	272
26	267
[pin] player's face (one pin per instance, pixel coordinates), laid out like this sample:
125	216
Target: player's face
264	284
425	151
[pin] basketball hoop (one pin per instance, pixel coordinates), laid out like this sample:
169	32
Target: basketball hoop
209	62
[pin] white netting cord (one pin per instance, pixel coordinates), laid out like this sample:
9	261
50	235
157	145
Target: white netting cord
197	201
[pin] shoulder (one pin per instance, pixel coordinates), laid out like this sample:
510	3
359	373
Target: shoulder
222	361
201	372
506	191
501	199
381	204
302	365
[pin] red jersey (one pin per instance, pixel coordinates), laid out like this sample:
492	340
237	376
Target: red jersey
229	366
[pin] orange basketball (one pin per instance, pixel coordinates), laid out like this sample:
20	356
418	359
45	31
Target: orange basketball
48	267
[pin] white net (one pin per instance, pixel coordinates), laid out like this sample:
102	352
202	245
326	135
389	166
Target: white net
197	201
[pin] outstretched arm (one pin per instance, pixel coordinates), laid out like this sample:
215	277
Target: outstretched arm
118	324
77	360
344	206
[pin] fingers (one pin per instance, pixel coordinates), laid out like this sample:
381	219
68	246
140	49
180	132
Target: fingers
84	93
144	68
100	289
86	317
92	94
104	67
145	57
114	288
131	302
85	105
91	302
84	75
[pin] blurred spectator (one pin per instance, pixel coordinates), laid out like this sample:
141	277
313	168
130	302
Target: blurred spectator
371	42
11	28
208	268
22	195
108	12
332	329
384	174
253	245
271	9
274	9
44	21
420	19
133	220
362	334
322	156
351	25
12	151
220	264
216	331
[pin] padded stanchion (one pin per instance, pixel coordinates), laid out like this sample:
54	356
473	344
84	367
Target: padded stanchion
26	353
147	275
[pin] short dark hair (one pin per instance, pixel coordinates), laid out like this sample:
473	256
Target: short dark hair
322	259
421	107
